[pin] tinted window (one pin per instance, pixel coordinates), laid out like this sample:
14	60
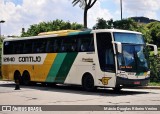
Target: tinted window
75	43
39	46
86	43
8	46
129	38
17	47
27	46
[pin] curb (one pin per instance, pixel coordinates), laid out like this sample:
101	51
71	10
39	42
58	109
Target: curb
150	87
146	87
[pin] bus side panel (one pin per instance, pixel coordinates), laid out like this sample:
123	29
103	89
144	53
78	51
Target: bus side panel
9	70
41	72
84	63
65	67
55	66
104	79
60	67
28	63
5	72
88	63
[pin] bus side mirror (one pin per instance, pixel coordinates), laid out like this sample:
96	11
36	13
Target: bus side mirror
155	48
119	46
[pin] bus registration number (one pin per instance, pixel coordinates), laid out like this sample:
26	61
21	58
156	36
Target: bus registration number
137	82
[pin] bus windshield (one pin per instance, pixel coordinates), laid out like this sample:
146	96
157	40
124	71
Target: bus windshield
133	57
129	38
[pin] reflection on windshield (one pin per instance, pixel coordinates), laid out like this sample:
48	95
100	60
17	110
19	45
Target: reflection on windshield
129	38
133	58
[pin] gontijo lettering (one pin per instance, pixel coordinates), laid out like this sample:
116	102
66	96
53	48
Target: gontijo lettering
23	59
30	59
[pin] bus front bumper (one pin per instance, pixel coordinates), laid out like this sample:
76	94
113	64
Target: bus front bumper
132	82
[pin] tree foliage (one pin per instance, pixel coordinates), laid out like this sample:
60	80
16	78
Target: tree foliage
154	29
35	29
103	24
126	24
155	74
86	5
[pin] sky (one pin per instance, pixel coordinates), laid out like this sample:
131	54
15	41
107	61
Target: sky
20	14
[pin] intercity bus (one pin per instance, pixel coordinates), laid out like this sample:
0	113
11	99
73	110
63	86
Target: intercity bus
92	58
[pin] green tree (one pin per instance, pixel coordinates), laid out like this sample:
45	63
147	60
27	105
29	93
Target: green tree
35	29
126	24
146	33
101	24
154	76
154	29
86	5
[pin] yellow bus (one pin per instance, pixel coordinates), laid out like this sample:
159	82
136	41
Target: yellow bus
92	58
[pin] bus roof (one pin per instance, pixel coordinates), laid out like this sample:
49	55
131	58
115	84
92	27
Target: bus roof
59	32
115	30
70	32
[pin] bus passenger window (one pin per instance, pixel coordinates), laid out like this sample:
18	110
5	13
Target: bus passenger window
27	47
48	50
86	43
72	44
8	48
83	47
63	46
73	47
91	46
51	46
42	47
17	47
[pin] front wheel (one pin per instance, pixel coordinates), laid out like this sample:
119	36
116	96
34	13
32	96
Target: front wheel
88	83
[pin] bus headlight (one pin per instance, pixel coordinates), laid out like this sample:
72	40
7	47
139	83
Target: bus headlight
123	76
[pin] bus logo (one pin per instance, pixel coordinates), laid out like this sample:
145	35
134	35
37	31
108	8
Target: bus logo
105	80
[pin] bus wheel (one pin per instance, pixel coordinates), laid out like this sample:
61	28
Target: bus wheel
17	77
88	83
26	78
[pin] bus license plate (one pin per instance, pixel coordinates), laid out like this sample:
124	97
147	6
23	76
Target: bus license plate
137	82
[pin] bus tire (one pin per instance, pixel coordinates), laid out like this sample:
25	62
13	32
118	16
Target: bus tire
26	78
88	82
17	77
